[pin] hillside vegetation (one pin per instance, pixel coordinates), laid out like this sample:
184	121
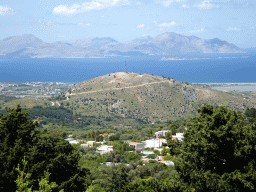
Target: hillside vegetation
146	97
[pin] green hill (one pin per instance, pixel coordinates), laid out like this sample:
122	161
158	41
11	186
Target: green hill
145	97
124	99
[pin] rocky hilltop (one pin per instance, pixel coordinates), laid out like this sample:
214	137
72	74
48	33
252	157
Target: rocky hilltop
164	44
145	97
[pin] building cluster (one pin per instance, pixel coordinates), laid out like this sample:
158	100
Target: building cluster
143	147
20	90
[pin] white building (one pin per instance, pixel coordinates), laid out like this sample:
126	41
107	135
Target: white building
168	163
90	143
152	143
72	141
178	136
69	139
148	152
104	149
163	133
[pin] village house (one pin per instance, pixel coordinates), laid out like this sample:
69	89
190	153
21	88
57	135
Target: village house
168	163
104	149
159	158
178	136
148	152
163	133
152	143
72	141
90	143
136	145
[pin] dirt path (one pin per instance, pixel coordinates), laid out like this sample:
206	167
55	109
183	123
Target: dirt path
120	88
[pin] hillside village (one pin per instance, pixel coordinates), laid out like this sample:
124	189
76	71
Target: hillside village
33	89
146	148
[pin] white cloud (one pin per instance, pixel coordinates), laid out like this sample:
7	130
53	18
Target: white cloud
141	26
197	31
80	23
233	29
4	10
88	24
206	5
87	6
171	24
168	2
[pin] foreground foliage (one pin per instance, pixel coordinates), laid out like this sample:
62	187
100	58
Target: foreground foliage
19	138
218	152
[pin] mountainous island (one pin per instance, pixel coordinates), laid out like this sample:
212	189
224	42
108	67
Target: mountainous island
169	43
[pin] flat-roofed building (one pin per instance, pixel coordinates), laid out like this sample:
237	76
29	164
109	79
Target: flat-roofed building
104	149
136	145
152	143
178	136
163	133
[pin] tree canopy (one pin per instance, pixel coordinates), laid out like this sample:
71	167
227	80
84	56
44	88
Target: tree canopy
218	152
17	135
19	138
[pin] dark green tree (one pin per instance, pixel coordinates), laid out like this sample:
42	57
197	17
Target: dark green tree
154	185
118	178
250	114
19	138
17	135
218	152
174	146
61	159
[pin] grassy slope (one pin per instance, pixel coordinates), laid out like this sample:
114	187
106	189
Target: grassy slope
146	97
128	98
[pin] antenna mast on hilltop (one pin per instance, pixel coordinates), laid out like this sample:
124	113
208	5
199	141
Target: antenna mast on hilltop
125	67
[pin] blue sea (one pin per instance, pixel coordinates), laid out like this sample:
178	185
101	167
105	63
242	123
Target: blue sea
199	68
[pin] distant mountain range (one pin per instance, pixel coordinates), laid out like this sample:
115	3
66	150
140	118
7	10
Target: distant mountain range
28	45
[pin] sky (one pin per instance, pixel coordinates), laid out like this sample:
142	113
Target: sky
123	20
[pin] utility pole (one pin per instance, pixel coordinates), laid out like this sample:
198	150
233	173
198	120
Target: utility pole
125	67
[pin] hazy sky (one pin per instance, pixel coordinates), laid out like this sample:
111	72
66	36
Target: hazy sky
124	20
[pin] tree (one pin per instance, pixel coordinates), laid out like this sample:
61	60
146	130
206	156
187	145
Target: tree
61	159
23	181
118	178
17	135
174	146
154	185
250	114
218	152
19	138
